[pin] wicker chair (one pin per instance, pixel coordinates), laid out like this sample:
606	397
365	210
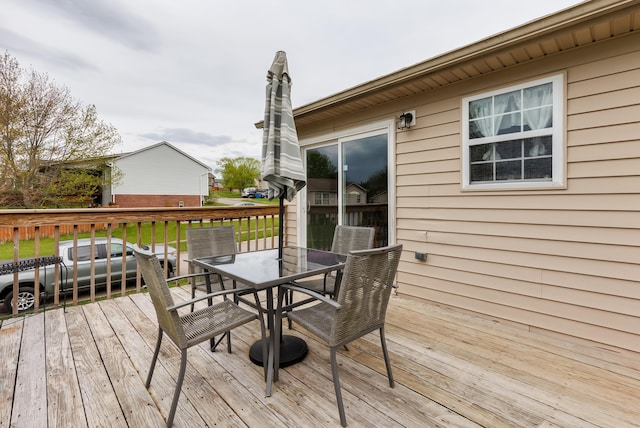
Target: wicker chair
359	308
217	243
189	328
345	240
212	242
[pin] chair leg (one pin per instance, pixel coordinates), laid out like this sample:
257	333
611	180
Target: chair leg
387	362
336	385
193	295
176	394
193	286
154	359
214	343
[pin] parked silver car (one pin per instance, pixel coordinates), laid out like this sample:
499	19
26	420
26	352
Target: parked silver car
26	278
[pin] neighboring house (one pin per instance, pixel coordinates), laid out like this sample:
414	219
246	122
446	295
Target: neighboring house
322	191
520	178
355	194
159	176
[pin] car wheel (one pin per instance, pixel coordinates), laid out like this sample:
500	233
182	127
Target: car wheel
26	300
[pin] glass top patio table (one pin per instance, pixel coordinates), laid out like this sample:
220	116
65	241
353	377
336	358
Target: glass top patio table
264	270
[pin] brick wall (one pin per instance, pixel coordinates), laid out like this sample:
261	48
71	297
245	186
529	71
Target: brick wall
142	201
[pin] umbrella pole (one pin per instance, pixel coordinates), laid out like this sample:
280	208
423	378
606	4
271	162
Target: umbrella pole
281	226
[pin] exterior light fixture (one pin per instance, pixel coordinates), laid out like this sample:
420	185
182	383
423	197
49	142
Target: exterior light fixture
407	119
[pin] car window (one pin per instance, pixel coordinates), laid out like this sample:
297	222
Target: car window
116	250
84	253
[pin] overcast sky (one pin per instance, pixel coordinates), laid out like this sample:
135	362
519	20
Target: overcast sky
193	72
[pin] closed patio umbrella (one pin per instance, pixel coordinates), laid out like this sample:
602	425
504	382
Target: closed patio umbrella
282	164
282	168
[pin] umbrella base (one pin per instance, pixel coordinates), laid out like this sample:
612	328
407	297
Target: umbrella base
292	350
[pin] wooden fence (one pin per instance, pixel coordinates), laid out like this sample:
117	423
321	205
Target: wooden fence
45	231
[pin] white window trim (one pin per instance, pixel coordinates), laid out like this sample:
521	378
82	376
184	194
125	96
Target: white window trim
558	137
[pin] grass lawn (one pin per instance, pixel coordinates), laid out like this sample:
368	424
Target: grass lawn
47	244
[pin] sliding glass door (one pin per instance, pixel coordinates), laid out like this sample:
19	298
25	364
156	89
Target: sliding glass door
347	183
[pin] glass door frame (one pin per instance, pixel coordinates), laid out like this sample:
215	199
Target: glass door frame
339	137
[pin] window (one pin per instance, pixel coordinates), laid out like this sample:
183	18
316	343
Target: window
322	198
512	138
83	254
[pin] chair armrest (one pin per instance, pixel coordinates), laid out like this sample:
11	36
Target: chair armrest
191	275
316	296
206	296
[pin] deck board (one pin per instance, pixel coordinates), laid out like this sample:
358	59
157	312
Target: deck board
10	338
86	366
99	400
64	401
30	403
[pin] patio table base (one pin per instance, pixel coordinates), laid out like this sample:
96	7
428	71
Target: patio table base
292	350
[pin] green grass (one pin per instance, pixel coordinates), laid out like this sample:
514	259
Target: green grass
27	247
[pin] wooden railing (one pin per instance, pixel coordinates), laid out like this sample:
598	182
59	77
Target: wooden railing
256	228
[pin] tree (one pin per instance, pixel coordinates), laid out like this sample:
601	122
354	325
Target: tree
320	165
47	139
238	173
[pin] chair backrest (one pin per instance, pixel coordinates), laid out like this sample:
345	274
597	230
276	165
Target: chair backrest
351	238
365	290
154	279
211	241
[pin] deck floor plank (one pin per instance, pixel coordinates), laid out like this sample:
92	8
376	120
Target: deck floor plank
452	369
64	400
541	376
99	399
363	375
134	400
30	396
10	339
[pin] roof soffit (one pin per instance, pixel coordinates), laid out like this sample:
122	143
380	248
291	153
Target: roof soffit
584	24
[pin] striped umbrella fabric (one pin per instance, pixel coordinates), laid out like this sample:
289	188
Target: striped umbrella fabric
282	164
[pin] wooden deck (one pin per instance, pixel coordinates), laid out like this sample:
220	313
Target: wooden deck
86	365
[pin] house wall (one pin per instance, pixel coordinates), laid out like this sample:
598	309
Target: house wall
160	171
558	260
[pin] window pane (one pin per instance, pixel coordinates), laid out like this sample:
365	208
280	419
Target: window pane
538	168
511	101
480	128
510	170
480	108
365	184
116	250
508	123
541	146
509	149
481	152
322	193
538	96
482	172
538	118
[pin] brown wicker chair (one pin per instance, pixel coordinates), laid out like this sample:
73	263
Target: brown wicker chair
359	308
189	328
345	240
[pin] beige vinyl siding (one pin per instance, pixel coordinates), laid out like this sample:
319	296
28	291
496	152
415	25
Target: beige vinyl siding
563	260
